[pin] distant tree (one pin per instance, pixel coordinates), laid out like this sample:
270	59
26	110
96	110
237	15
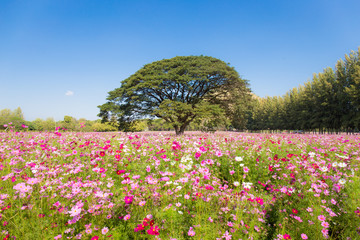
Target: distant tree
354	92
38	124
69	123
352	88
84	125
178	90
102	127
49	124
18	113
16	117
5	117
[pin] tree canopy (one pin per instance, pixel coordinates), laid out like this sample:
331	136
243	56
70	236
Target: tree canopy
179	90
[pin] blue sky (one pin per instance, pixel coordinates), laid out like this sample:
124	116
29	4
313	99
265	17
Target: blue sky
61	57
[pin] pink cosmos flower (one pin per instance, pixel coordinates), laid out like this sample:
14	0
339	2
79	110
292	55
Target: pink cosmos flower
283	189
321	217
20	187
58	237
259	201
154	230
128	199
139	227
105	230
191	232
218	153
304	236
209	187
32	181
227	236
286	236
75	211
325	224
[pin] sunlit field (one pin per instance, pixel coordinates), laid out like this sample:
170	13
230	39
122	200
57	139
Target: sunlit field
197	186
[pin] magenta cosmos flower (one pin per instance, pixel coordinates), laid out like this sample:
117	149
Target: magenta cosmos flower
128	199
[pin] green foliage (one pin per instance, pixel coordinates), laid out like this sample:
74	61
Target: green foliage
178	90
16	118
103	127
158	124
329	102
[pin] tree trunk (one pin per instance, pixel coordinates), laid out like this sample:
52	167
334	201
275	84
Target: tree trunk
176	130
181	130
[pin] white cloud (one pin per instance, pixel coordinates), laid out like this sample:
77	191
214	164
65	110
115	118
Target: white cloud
69	93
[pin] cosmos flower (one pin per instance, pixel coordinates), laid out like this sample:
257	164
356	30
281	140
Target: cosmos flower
304	236
105	230
191	232
75	211
153	230
128	199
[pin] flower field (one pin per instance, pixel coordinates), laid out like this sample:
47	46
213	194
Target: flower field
196	186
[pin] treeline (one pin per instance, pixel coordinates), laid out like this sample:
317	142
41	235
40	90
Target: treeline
15	121
329	102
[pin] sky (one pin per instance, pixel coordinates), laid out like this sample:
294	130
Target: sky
62	57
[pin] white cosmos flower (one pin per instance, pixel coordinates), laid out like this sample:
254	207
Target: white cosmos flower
238	159
335	164
344	157
342	164
247	184
236	184
342	181
324	169
241	165
180	212
291	190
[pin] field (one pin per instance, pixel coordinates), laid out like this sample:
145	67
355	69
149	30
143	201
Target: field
197	186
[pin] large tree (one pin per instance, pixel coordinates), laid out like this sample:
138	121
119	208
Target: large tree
178	90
